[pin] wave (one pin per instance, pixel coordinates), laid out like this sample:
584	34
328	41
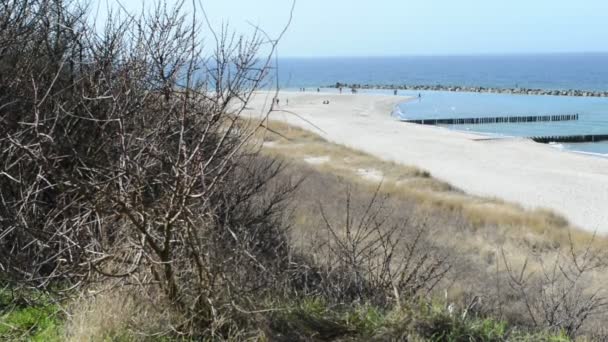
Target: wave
595	154
397	112
557	145
572	148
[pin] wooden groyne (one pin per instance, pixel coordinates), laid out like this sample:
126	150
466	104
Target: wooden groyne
571	138
494	120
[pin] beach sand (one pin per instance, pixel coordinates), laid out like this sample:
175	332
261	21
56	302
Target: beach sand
516	170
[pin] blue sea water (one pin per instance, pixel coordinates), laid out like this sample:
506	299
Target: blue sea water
557	71
549	71
593	114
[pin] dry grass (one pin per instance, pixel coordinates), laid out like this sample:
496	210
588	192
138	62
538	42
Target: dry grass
117	314
473	230
415	184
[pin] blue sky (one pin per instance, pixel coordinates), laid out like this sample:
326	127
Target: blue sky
421	27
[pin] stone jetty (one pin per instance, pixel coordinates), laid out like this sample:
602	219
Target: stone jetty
514	91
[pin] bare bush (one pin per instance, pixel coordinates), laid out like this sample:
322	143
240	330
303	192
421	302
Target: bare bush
366	258
560	298
122	156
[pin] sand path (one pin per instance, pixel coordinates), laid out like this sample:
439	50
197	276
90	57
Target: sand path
516	170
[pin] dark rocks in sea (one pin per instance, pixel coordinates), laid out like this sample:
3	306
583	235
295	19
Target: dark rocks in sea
514	91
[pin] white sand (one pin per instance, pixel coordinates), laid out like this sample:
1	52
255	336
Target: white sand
372	175
317	160
269	144
516	170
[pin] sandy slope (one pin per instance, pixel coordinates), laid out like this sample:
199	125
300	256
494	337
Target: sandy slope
517	170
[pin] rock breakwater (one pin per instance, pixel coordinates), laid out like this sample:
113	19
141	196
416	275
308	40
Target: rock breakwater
494	90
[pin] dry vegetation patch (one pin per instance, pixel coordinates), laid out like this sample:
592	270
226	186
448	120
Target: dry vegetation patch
409	182
488	240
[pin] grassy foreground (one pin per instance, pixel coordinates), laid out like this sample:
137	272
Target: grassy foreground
114	318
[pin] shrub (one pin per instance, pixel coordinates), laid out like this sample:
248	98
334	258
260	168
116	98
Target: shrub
122	156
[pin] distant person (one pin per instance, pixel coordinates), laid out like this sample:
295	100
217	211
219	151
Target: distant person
395	92
287	102
340	90
419	95
318	90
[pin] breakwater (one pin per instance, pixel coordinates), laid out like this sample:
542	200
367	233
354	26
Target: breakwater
571	138
512	91
494	120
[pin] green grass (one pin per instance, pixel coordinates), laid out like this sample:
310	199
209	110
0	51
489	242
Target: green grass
39	322
434	323
310	319
314	320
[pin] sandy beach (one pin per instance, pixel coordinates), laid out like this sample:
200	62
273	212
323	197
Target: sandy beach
516	170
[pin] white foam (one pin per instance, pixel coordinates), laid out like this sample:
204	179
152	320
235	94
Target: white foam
596	154
397	112
557	145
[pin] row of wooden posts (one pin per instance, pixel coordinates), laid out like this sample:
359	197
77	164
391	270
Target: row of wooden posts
520	119
494	120
571	138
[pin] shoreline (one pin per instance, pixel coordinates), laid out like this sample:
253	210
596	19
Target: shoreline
470	89
553	144
516	170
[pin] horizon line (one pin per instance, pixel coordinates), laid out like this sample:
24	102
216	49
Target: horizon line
481	54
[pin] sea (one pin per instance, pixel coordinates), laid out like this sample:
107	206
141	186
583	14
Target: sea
544	71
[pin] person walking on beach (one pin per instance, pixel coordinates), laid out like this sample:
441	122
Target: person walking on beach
395	92
340	90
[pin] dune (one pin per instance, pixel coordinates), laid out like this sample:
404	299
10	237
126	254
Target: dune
514	169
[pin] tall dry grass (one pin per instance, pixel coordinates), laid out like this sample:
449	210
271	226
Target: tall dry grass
480	235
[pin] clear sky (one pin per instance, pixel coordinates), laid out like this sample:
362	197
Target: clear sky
420	27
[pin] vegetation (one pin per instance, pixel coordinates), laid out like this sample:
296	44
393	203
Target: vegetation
19	320
489	244
137	204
